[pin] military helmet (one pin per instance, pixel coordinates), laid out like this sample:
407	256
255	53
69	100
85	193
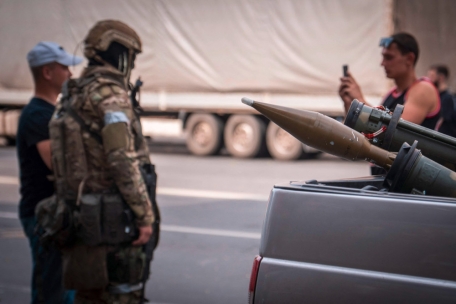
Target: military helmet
104	32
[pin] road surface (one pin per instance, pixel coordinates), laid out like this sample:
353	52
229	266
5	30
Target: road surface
212	210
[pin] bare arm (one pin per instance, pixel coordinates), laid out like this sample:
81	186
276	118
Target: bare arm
422	99
44	149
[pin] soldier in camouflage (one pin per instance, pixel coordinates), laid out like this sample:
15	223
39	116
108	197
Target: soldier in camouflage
99	151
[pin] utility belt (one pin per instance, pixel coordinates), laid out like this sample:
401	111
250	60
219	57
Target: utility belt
105	219
96	219
102	252
94	236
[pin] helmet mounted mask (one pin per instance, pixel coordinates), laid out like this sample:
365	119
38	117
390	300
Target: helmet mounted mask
100	40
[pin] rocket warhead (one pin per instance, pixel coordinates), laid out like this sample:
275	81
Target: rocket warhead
247	101
324	133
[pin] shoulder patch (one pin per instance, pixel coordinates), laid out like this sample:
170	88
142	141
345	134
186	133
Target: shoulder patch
114	117
95	97
105	91
116	89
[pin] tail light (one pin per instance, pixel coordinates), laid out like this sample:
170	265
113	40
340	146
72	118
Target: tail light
253	278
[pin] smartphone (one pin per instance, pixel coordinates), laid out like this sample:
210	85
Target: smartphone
345	70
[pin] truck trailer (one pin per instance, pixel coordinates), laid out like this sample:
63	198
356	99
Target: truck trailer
201	57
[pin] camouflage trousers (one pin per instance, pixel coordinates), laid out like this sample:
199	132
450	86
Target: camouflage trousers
101	296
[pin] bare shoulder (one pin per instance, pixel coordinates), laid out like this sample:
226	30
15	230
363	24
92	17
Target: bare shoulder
423	93
423	87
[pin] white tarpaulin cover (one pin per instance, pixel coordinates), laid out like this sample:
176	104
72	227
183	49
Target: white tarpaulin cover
282	46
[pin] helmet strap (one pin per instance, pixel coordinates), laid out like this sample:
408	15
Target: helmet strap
98	58
127	73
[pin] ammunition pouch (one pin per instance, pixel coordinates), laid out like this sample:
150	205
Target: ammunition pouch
103	253
105	219
89	230
55	222
84	267
126	265
94	267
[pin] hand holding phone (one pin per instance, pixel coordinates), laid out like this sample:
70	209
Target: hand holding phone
345	70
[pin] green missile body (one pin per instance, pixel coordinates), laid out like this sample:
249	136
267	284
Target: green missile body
324	133
390	132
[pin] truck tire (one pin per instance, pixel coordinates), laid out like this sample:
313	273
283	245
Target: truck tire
11	122
2	123
204	134
245	136
281	145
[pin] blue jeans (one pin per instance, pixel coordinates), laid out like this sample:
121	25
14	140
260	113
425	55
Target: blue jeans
46	270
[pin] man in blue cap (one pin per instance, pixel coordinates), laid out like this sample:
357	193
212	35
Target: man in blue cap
49	64
419	97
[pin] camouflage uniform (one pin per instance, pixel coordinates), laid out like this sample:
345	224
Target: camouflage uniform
112	165
100	160
100	99
102	153
115	163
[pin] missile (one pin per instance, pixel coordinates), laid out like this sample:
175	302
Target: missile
388	131
408	170
324	133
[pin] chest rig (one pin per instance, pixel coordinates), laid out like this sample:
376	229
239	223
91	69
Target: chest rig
103	216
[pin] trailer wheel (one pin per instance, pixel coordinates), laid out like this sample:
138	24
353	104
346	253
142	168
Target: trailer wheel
204	134
281	145
11	122
245	136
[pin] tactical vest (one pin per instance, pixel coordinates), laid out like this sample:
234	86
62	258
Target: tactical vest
75	141
99	216
69	165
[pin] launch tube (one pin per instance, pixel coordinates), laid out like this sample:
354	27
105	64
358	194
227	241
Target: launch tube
414	173
389	131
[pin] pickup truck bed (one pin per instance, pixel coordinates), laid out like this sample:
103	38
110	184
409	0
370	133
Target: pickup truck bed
333	242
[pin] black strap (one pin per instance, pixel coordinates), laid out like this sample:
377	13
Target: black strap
388	139
66	97
83	125
38	277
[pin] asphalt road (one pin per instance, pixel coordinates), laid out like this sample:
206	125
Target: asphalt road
212	210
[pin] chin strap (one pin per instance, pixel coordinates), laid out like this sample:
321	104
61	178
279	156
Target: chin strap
125	64
127	73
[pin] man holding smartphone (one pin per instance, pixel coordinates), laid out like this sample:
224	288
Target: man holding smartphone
419	96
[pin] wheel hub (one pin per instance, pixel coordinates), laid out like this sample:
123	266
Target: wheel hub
202	133
284	141
242	136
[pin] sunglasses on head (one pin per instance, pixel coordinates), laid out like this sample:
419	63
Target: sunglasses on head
386	42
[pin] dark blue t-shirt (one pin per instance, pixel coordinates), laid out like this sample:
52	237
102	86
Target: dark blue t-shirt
33	128
447	111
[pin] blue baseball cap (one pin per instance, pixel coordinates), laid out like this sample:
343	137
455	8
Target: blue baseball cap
46	52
